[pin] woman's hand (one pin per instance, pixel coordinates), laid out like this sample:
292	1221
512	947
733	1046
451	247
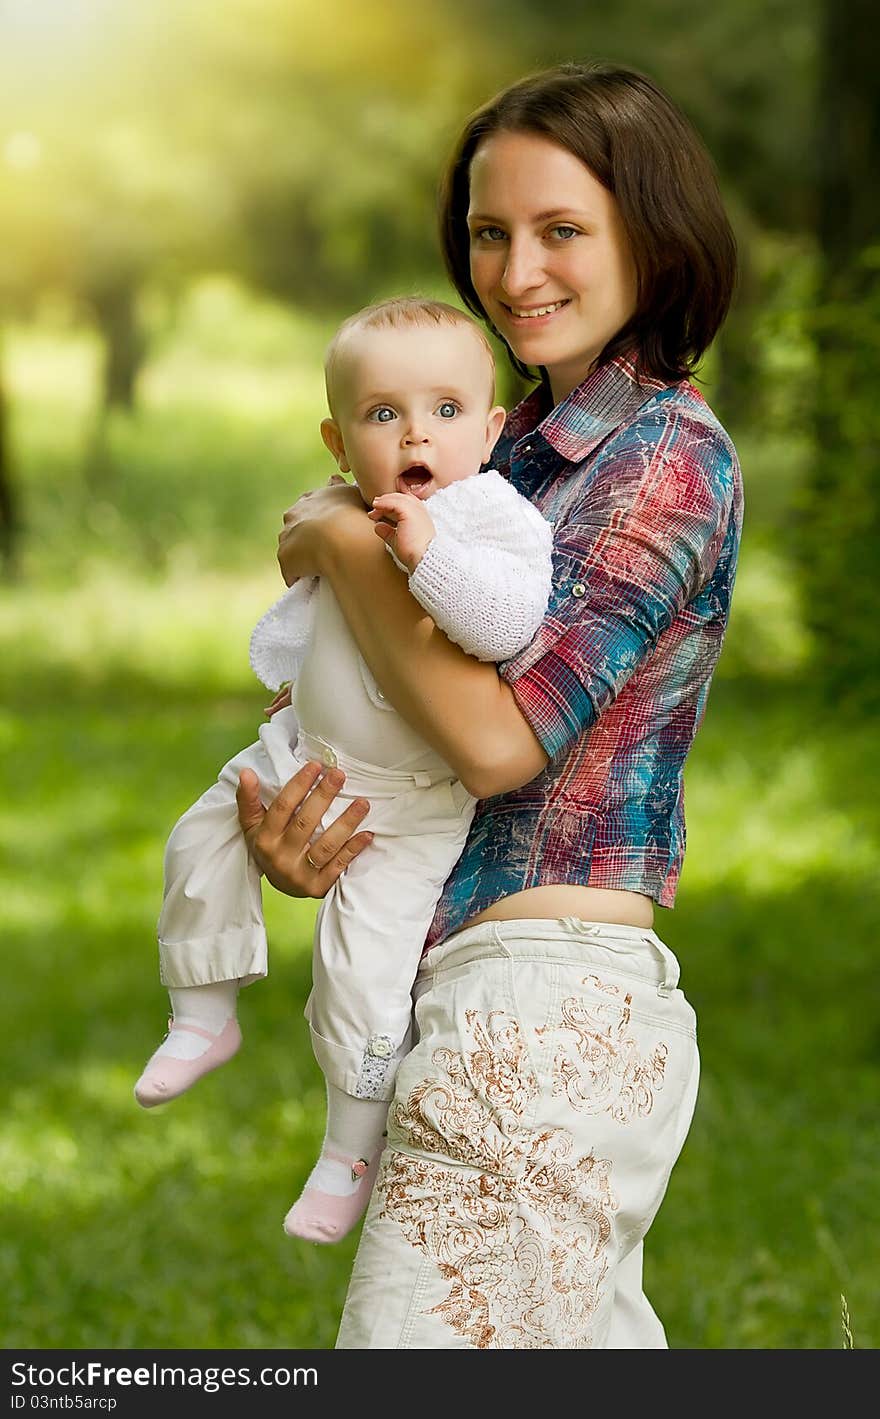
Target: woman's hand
281	701
279	837
302	539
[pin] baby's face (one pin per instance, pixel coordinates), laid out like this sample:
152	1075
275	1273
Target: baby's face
413	408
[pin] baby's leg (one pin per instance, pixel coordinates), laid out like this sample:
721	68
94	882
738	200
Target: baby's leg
369	936
212	936
203	1033
338	1189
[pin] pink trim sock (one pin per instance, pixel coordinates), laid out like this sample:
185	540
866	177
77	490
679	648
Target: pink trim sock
336	1194
320	1216
165	1077
202	1034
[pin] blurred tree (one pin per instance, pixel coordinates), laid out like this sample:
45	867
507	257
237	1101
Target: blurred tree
335	158
300	146
8	513
296	147
842	543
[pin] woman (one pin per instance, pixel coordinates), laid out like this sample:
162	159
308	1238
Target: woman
537	1120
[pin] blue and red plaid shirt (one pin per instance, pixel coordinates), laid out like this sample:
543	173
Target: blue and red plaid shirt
643	489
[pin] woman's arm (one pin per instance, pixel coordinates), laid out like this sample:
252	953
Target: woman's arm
458	704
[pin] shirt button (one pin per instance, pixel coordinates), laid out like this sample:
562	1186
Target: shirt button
379	693
578	589
330	758
380	1046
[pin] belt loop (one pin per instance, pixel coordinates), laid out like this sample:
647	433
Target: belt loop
421	779
499	941
670	965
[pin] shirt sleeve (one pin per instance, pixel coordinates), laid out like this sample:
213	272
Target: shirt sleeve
485	577
641	543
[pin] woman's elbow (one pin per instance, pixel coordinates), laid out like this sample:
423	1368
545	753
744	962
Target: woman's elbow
497	751
504	773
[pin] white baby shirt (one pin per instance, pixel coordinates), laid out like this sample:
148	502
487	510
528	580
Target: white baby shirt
484	580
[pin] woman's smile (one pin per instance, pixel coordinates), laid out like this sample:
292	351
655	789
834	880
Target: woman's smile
520	315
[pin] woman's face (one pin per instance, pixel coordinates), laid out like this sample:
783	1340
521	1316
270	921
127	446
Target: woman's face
550	260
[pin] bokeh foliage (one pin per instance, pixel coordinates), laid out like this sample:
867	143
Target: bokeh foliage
191	193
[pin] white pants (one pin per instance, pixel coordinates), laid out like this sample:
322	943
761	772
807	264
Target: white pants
371	925
531	1137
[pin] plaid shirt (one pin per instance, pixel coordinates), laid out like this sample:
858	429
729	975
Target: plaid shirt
643	489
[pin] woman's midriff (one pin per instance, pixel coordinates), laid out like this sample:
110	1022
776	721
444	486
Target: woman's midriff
560	900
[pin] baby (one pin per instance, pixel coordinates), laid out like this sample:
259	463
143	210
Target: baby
410	388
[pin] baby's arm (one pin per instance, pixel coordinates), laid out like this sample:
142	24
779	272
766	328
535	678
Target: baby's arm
480	562
404	518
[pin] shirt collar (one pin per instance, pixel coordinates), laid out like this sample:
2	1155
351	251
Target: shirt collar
594	409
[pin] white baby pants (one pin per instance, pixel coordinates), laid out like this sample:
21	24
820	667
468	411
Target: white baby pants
371	925
532	1133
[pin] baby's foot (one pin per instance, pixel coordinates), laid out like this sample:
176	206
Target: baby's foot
334	1199
187	1052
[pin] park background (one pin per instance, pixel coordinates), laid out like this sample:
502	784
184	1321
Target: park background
191	195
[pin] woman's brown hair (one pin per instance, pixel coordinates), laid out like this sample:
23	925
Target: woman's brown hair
645	152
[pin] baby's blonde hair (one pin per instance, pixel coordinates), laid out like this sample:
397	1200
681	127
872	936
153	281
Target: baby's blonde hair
399	311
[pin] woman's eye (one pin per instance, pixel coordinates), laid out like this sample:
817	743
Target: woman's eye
447	410
382	415
488	234
565	233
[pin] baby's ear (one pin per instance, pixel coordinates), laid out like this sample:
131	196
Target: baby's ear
332	436
494	425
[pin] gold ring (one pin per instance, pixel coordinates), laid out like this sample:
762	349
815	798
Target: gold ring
311	861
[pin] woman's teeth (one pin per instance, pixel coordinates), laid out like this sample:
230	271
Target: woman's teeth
541	310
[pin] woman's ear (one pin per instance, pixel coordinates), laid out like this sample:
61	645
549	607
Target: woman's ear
494	425
332	436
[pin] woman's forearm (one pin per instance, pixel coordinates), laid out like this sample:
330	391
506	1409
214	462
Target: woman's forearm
458	704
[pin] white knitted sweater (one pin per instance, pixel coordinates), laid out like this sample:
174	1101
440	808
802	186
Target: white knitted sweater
484	580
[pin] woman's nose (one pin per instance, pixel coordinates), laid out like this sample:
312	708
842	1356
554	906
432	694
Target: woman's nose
524	270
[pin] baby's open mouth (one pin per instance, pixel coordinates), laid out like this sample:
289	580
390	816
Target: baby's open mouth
414	478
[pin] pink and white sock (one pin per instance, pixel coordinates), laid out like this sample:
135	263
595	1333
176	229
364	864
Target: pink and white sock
203	1034
208	1007
338	1188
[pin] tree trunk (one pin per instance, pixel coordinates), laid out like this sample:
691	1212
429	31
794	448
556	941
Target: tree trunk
114	304
113	299
842	543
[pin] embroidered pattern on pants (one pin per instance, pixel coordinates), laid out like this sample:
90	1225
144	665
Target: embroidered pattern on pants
597	1064
521	1240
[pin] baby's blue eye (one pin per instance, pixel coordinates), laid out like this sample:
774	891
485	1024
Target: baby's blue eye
447	410
382	415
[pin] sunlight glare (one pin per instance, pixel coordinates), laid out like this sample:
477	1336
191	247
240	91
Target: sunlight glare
22	151
26	20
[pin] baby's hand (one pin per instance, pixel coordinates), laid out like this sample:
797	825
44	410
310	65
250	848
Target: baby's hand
403	520
281	701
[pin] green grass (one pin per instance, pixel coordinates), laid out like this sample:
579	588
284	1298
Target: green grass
124	652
